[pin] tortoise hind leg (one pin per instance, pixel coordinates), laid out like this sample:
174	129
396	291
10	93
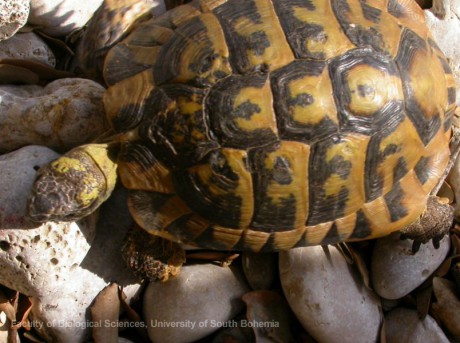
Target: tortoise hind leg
433	224
150	256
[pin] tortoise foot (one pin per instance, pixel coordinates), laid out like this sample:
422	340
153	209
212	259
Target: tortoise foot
152	257
432	225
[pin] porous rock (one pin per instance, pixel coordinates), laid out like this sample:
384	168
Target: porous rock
63	316
27	46
327	296
396	270
13	16
404	325
64	114
200	300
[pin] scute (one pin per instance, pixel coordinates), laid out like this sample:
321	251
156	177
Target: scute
284	123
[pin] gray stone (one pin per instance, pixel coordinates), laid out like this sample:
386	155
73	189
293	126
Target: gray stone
403	325
327	296
27	46
443	21
63	316
62	115
198	301
396	271
13	16
61	17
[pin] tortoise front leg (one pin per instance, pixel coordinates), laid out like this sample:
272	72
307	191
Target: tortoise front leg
151	256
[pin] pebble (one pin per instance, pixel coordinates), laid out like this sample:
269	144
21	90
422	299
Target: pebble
64	114
63	316
443	21
446	308
27	46
403	325
60	17
396	271
13	16
199	300
453	179
327	297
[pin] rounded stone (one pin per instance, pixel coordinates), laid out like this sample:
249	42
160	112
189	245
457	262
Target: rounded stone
396	271
403	325
61	17
13	16
327	296
194	304
443	21
64	114
27	46
63	315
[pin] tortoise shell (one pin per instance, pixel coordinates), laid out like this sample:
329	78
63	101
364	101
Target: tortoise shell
267	125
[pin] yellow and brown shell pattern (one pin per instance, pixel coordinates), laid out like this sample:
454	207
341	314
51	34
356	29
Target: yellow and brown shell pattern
268	125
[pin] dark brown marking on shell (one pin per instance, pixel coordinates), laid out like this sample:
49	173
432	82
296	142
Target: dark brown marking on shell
451	95
223	208
448	118
284	103
178	228
400	169
207	239
395	206
224	115
331	236
258	41
228	14
388	115
325	208
172	52
395	9
298	32
362	227
269	245
373	180
370	13
270	214
422	169
360	36
178	127
410	44
129	116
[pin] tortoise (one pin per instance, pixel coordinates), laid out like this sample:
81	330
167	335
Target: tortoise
269	125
